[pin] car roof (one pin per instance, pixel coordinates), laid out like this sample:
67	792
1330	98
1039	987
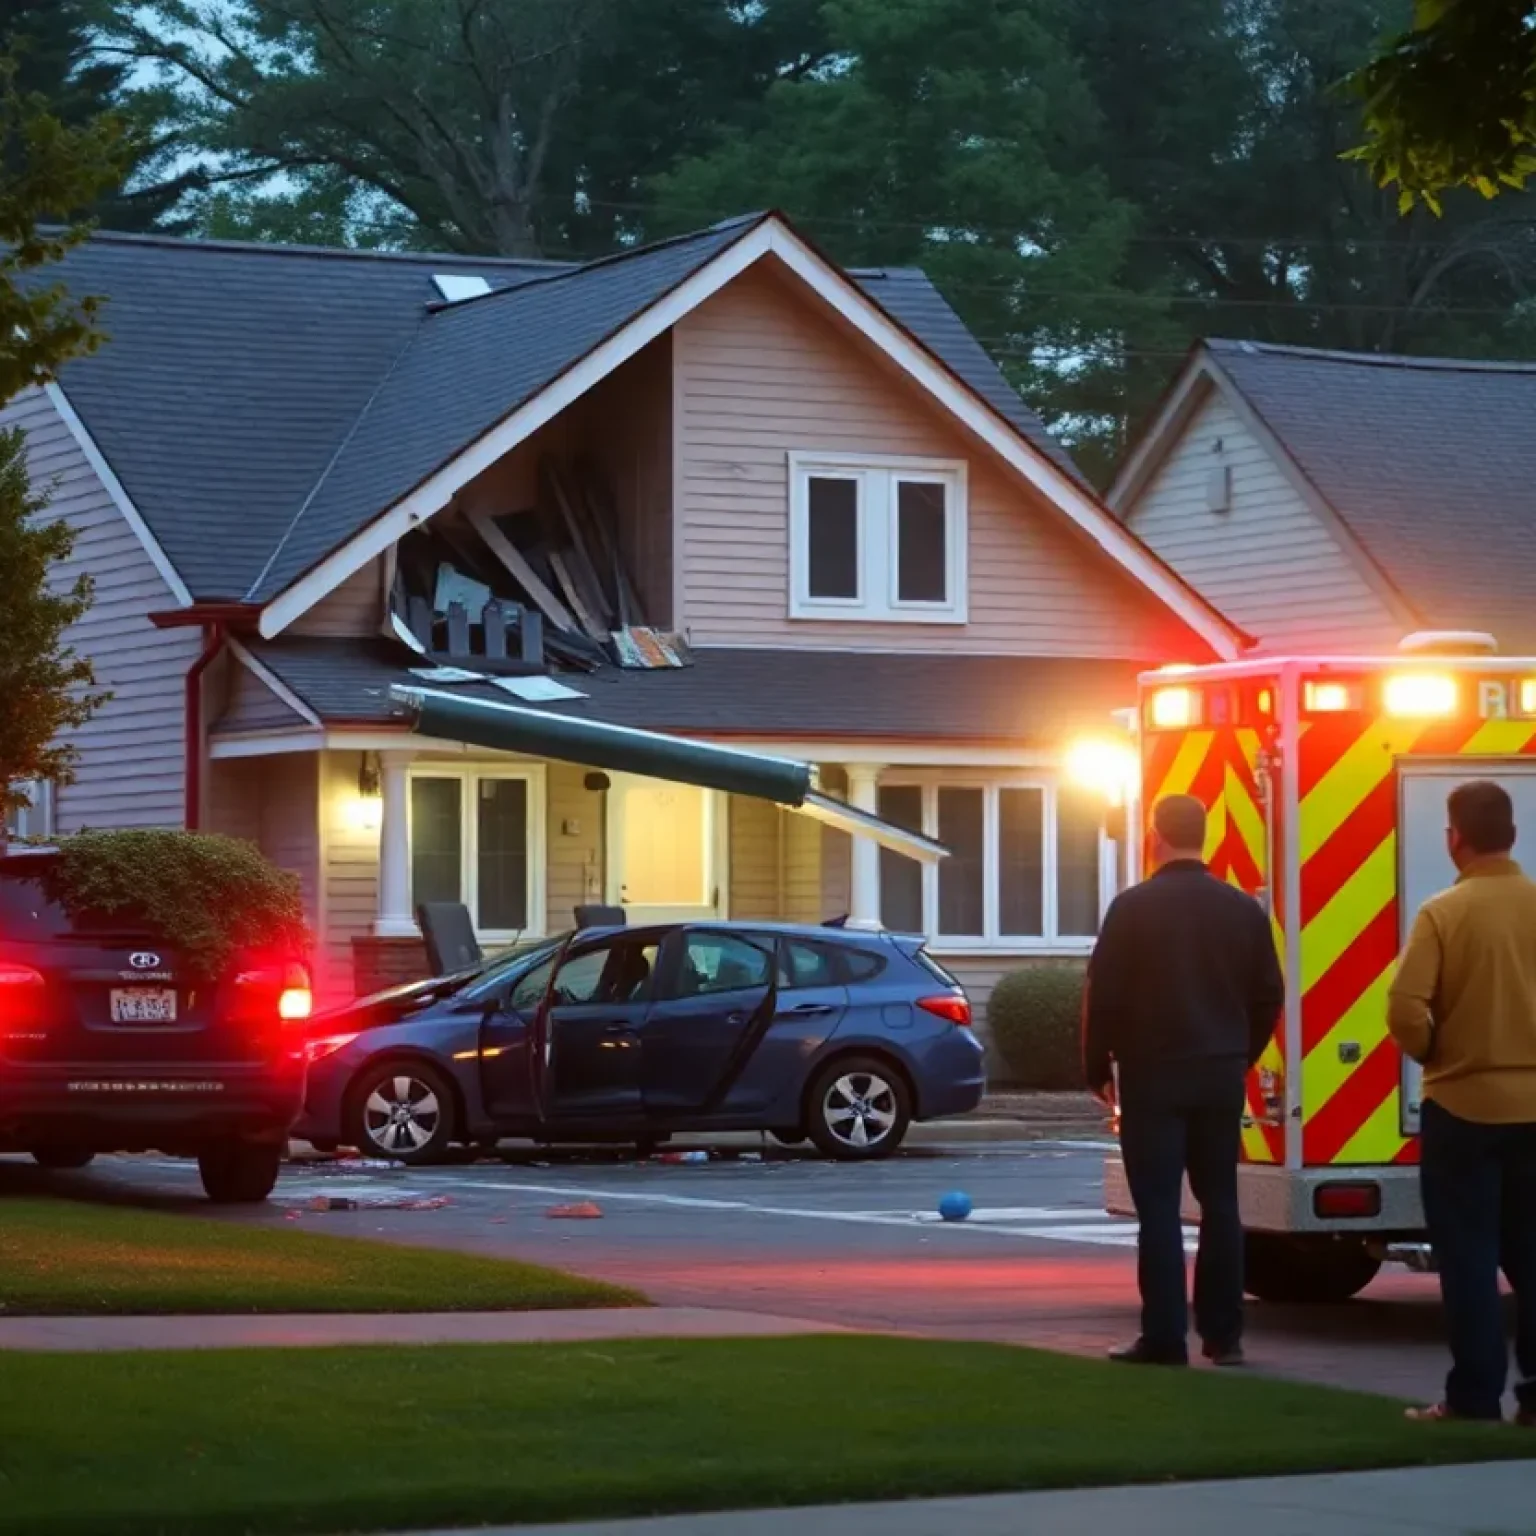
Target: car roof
826	932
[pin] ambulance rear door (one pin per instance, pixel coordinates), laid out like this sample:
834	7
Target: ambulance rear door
1424	865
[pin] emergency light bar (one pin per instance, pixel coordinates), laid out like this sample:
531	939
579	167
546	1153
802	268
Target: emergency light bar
1420	695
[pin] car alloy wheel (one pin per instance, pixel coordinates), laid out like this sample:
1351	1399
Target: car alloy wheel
860	1109
404	1115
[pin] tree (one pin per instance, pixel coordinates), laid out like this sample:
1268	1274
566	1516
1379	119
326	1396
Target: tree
55	59
521	127
46	169
1451	101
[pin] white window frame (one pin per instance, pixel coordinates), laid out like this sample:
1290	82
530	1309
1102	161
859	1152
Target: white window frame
992	940
37	819
470	776
877	479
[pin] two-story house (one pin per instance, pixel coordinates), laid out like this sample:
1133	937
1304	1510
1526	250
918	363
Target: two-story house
305	477
1340	501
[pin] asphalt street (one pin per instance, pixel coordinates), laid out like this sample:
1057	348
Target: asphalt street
1037	1262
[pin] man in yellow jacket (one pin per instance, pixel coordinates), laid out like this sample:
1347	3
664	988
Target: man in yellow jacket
1464	1004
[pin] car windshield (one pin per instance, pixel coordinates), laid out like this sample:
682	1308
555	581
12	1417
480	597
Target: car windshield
504	963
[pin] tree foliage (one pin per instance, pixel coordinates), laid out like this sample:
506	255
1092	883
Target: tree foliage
1451	101
46	169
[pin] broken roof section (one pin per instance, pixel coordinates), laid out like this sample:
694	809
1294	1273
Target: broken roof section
241	383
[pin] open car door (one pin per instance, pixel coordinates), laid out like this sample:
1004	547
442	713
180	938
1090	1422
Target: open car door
715	1000
541	1039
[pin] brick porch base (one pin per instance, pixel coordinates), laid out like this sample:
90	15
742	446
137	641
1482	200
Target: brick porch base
381	963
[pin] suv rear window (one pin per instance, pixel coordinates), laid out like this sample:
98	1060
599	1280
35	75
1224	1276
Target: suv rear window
29	915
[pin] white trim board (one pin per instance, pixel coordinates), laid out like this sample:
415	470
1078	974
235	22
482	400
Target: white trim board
120	497
773	237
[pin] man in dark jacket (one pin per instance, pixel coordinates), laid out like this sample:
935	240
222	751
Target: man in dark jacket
1184	993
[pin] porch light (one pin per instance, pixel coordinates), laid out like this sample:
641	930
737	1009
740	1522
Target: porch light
1420	695
365	811
1106	768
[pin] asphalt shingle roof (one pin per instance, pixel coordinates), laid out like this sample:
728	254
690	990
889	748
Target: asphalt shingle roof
1430	463
788	693
260	404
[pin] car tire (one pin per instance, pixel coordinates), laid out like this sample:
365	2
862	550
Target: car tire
858	1109
1306	1271
62	1158
240	1172
402	1110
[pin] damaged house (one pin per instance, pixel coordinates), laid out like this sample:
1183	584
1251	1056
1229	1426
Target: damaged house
715	489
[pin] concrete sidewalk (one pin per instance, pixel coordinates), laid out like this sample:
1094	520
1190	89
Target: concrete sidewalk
82	1335
1492	1500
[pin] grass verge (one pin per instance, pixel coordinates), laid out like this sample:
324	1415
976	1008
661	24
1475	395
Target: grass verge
275	1441
66	1258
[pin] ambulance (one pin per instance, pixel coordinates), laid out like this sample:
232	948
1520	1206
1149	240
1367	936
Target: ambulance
1325	780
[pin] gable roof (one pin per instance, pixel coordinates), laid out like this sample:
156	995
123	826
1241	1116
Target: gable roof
1427	464
242	385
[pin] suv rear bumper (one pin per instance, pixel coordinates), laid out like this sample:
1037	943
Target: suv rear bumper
117	1109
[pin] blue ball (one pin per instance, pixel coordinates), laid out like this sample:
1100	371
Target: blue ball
955	1206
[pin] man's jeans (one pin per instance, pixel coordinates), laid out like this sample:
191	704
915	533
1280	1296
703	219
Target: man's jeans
1479	1184
1173	1122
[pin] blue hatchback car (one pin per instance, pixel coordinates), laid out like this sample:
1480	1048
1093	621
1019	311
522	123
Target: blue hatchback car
633	1034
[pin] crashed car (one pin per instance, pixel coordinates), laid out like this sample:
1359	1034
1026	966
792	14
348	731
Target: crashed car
633	1034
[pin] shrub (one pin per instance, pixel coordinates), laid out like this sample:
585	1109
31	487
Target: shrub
208	897
1035	1017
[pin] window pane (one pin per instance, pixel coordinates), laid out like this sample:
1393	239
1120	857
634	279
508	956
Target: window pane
437	840
1021	862
833	537
922	545
716	962
961	830
901	878
1077	866
614	971
503	854
803	964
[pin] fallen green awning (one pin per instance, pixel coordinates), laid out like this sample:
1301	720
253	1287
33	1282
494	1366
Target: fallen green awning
623	749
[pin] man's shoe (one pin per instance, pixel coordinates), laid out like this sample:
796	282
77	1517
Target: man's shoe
1142	1353
1228	1356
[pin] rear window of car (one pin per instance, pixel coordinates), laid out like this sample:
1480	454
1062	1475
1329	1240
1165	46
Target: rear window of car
932	966
26	913
860	964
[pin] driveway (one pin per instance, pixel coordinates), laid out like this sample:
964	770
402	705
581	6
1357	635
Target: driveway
1038	1262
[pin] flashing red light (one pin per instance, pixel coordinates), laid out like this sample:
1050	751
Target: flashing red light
18	976
1347	1201
282	988
21	990
953	1006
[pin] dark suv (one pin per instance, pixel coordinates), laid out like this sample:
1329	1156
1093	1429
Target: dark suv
109	1044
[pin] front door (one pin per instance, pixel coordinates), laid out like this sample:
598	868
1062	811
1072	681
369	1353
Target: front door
1425	866
714	1003
582	1016
665	850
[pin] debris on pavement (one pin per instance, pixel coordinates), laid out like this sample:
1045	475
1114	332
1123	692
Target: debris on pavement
582	1210
360	1202
683	1157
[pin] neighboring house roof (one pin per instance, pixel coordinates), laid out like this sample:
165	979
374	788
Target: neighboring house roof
1428	465
260	403
828	695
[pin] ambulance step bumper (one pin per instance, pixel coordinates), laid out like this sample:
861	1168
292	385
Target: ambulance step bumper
1289	1199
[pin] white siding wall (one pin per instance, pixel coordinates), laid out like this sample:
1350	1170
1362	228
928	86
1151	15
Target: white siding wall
131	771
759	375
252	706
1269	562
356	607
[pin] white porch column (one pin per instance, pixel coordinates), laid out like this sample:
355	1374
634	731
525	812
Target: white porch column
864	890
395	919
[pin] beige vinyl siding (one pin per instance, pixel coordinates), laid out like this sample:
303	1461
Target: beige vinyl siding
760	375
354	609
252	706
1271	562
274	803
574	845
132	766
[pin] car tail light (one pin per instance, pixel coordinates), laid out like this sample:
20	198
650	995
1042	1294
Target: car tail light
280	992
953	1006
21	990
326	1045
1345	1201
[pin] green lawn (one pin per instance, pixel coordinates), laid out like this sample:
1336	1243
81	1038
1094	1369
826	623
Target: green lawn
65	1257
266	1441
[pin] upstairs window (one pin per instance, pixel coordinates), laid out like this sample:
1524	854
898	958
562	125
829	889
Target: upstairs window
877	539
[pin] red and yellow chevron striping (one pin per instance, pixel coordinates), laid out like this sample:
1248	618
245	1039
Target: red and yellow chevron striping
1219	767
1347	786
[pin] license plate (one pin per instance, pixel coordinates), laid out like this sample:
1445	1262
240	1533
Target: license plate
143	1005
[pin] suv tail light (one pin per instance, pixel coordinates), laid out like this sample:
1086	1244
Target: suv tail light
280	992
953	1006
21	991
